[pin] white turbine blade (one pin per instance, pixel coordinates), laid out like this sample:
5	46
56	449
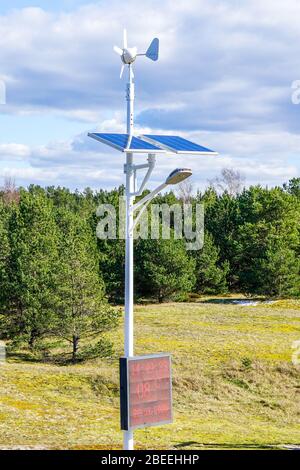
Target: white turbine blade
118	50
125	38
122	70
153	49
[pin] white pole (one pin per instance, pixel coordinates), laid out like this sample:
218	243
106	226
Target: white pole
130	177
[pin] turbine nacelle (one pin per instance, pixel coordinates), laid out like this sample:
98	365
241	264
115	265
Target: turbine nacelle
129	54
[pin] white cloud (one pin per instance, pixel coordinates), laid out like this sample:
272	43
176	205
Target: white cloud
223	78
84	162
14	151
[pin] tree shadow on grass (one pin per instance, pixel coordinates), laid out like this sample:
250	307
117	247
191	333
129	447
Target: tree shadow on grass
22	357
34	358
59	359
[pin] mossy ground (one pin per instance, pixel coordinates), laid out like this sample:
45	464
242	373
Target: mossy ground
234	383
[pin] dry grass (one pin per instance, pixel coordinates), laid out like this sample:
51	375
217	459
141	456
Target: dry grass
234	383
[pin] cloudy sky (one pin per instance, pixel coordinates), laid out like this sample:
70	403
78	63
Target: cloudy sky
224	80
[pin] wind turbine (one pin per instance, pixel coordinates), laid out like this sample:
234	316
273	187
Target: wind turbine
129	54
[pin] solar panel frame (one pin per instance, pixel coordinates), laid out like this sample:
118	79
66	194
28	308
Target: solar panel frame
132	145
164	142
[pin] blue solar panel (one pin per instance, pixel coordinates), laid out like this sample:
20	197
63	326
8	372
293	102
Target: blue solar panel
177	144
151	143
124	143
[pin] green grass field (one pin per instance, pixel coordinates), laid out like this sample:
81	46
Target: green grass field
234	383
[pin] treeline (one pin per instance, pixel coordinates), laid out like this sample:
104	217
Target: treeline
57	277
251	245
51	284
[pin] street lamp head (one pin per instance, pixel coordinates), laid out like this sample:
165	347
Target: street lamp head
178	175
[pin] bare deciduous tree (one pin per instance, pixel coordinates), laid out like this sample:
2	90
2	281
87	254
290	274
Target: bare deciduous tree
9	191
230	180
185	191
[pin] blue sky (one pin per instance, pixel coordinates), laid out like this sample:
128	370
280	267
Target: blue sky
223	79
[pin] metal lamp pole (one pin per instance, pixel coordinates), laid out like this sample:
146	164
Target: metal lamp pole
130	171
130	186
128	56
131	192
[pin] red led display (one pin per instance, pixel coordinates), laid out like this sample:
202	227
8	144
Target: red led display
149	392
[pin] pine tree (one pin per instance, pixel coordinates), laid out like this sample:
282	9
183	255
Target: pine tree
164	269
4	257
279	272
33	267
267	242
210	275
293	187
83	312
